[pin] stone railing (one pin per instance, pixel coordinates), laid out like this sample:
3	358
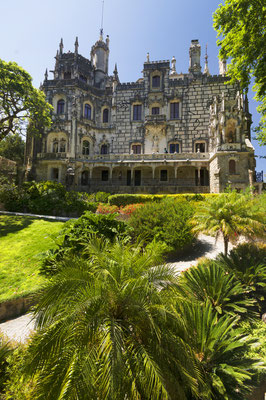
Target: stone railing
156	118
128	157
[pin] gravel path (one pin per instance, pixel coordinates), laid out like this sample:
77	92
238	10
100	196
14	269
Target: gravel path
20	328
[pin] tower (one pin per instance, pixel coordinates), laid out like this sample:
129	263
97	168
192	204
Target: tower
99	60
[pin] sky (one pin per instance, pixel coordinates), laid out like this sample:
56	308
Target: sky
30	32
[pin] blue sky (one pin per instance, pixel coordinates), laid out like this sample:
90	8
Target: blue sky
30	32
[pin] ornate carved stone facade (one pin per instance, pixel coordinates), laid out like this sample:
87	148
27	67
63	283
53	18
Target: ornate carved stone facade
167	132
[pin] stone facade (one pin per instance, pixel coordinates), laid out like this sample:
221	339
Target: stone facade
166	132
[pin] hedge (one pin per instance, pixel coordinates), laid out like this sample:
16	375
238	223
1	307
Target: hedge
126	199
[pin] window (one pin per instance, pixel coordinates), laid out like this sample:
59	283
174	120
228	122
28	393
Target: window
55	174
87	111
55	146
174	110
84	178
174	148
61	106
136	148
105	115
163	175
105	175
86	147
104	149
155	110
137	112
200	147
83	78
232	167
62	147
156	81
67	75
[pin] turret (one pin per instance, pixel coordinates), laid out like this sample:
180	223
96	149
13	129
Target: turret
222	67
194	57
99	59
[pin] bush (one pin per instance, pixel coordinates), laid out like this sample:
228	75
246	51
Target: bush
167	221
76	234
129	209
107	209
102	197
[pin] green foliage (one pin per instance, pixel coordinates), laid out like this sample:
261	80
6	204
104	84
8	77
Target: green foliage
5	350
102	197
241	26
77	234
167	221
20	102
121	200
210	283
17	385
12	147
45	198
248	264
230	215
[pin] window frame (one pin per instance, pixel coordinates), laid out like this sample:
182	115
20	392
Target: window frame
166	176
105	175
174	113
105	115
174	144
84	152
60	107
87	106
156	81
137	147
137	112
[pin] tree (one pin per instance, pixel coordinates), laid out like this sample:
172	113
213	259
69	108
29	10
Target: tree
12	147
20	102
106	330
241	26
230	215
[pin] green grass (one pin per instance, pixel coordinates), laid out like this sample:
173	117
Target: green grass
22	240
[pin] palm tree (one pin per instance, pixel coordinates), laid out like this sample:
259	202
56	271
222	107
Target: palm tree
230	215
219	348
107	330
210	282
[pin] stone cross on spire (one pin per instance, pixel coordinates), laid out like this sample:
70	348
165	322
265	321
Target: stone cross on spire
206	68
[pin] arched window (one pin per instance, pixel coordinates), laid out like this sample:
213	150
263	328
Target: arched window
62	146
104	149
55	146
156	81
87	111
232	167
105	115
84	178
86	147
61	106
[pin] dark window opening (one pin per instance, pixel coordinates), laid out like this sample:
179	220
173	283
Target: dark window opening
137	112
174	110
128	178
105	115
86	148
155	110
136	149
61	106
174	148
83	78
104	149
163	175
85	178
67	75
137	180
200	147
156	80
55	174
55	146
232	167
105	175
87	111
62	147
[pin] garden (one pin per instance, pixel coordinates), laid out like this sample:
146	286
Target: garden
114	318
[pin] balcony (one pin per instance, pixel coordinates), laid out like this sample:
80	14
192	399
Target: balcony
155	119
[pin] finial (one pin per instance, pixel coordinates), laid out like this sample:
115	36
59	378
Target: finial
46	75
148	57
101	30
173	69
61	47
206	68
115	70
76	45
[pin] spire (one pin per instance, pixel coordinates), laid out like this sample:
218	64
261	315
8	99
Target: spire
61	47
206	68
173	69
46	75
76	45
101	30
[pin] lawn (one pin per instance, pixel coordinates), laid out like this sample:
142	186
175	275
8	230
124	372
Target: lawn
22	240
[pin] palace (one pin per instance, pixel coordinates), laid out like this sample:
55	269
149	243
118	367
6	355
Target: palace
167	132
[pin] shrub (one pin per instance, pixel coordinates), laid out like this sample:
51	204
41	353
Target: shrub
129	209
76	234
107	209
102	197
167	221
